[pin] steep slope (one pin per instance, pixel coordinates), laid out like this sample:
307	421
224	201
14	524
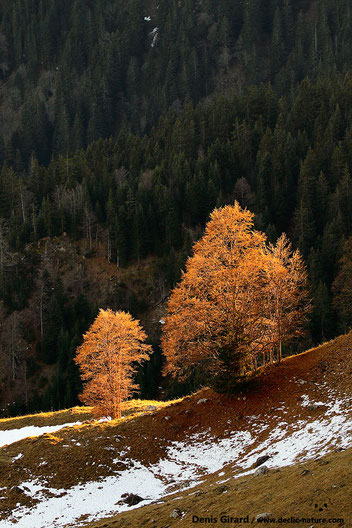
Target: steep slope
312	491
295	413
68	286
74	72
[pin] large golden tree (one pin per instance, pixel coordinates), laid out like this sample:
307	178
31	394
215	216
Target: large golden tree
111	350
221	317
215	316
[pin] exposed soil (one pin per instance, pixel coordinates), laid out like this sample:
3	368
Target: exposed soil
316	490
83	453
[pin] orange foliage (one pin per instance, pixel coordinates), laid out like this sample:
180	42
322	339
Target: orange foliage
107	358
287	294
221	316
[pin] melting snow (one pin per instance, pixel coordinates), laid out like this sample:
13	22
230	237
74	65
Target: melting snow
95	499
306	401
154	34
187	463
14	435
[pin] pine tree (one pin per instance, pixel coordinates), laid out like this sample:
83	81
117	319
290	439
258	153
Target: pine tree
342	288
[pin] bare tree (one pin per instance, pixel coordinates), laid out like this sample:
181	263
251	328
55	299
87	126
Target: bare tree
89	225
13	343
26	200
244	194
4	248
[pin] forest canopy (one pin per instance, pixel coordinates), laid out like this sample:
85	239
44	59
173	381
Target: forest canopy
122	126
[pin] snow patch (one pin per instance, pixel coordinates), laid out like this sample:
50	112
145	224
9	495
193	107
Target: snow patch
155	34
14	435
95	499
187	463
306	401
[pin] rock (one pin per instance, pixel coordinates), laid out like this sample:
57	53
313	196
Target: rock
63	494
167	417
176	514
262	470
262	516
17	489
188	411
305	472
131	499
313	407
151	408
222	489
261	460
202	400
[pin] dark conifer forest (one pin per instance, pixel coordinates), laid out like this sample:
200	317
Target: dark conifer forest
123	124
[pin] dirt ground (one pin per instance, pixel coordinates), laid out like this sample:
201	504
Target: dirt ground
82	453
320	489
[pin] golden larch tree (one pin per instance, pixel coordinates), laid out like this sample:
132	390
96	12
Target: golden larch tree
216	315
238	301
108	357
287	294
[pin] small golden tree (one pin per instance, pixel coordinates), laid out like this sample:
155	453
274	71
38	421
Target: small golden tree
108	357
287	294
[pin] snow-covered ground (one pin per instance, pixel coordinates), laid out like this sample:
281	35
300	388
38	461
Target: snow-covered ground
14	435
186	464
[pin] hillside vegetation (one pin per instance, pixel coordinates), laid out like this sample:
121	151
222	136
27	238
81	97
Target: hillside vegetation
197	454
122	126
288	159
74	71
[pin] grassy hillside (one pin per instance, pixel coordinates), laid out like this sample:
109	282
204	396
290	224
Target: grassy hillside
315	490
197	454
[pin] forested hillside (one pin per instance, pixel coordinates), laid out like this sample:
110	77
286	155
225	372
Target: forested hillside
122	126
74	71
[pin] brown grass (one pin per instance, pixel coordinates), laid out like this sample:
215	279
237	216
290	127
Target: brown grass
74	454
84	453
76	414
285	492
